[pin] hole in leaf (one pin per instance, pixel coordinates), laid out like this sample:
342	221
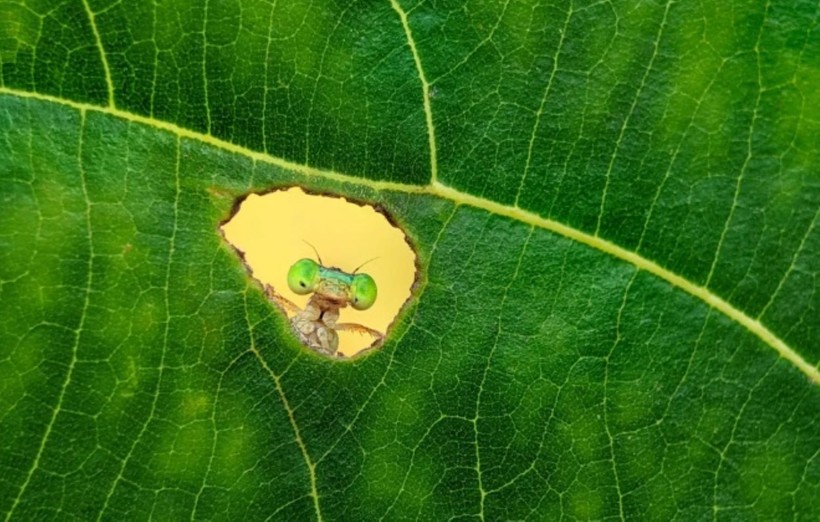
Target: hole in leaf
276	230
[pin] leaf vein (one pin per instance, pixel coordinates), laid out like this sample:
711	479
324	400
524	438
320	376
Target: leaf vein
749	154
628	117
297	434
461	198
540	111
103	57
425	90
482	490
609	435
171	248
77	331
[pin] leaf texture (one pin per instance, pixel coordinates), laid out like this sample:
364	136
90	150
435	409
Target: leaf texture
615	208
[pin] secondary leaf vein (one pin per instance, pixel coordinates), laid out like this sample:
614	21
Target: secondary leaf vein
77	331
540	112
103	57
165	340
425	90
314	492
748	157
628	117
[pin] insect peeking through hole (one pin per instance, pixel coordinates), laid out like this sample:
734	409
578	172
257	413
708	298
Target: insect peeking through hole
332	289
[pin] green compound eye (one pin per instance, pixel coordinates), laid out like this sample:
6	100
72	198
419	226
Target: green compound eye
363	292
303	276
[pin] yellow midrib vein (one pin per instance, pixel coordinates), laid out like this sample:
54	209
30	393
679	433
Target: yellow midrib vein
460	198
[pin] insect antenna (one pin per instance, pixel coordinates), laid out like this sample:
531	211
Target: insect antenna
316	252
369	260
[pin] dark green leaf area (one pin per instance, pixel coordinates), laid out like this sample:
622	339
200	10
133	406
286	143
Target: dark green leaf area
49	47
685	132
316	84
144	373
534	416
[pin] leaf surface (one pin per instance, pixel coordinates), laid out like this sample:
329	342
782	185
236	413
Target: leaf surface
614	207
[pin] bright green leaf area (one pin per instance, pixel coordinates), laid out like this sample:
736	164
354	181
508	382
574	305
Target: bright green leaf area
542	157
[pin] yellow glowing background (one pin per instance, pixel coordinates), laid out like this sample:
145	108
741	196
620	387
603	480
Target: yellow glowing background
272	229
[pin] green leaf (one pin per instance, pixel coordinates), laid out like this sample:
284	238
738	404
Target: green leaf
615	208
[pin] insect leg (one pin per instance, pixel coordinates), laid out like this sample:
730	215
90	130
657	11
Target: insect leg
353	327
